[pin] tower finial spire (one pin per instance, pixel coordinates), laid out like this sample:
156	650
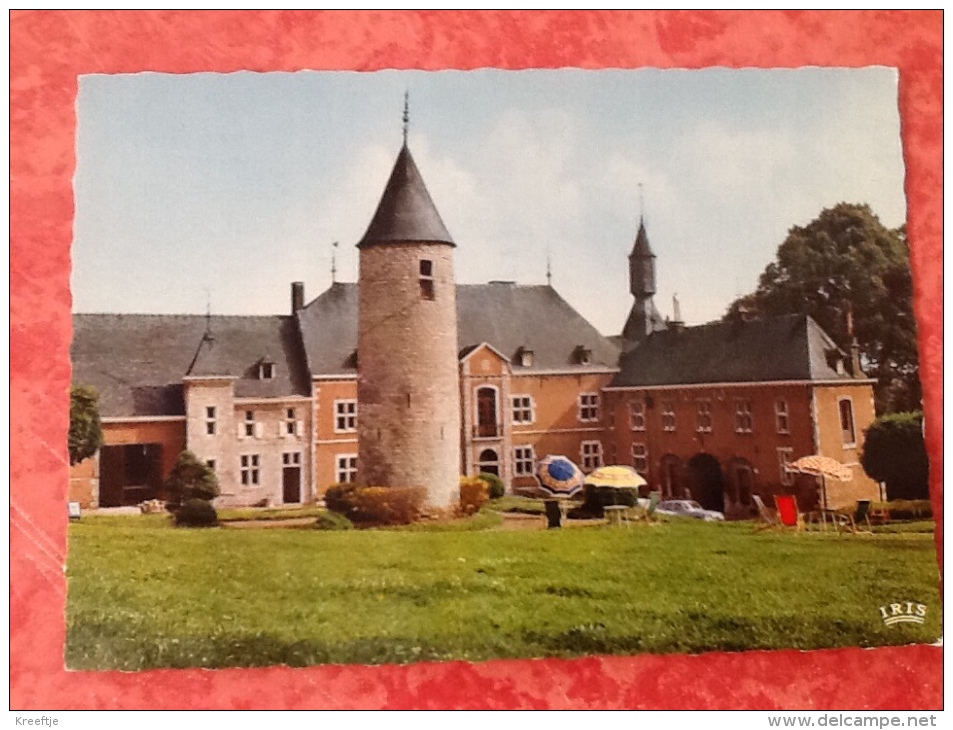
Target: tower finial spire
641	204
334	268
207	335
549	270
406	117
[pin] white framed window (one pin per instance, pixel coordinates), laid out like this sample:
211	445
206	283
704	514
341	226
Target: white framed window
249	427
846	408
668	415
637	415
291	458
591	453
211	422
347	468
266	370
784	458
743	421
250	469
640	458
524	410
345	416
426	279
781	415
290	426
524	461
588	407
704	416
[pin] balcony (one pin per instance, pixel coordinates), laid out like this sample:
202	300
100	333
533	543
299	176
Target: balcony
487	430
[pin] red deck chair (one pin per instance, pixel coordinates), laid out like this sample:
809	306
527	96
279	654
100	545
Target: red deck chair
788	513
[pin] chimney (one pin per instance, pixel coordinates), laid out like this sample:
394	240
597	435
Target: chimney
677	324
297	296
855	359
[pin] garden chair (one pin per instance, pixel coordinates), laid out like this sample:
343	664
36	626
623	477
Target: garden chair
766	518
861	517
654	499
788	513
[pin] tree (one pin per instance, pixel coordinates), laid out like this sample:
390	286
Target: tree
894	453
191	479
847	266
85	426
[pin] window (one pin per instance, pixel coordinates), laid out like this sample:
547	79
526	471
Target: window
523	409
743	416
784	458
291	458
249	427
781	415
525	357
847	421
637	415
591	452
426	279
640	458
210	463
704	416
582	355
266	370
345	416
291	425
524	461
347	468
249	470
668	415
210	423
589	407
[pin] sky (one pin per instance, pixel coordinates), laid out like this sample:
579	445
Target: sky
220	190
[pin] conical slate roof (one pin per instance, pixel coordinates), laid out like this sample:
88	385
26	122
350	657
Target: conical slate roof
406	214
641	247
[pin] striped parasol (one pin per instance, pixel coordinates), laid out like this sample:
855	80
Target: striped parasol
558	476
821	466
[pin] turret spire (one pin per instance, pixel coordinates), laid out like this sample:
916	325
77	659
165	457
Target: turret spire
406	116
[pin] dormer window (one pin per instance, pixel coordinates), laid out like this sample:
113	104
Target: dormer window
426	279
266	370
524	357
582	355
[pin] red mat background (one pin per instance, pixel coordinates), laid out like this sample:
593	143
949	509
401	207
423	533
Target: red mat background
49	49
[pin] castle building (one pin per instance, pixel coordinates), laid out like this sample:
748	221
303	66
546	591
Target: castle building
407	378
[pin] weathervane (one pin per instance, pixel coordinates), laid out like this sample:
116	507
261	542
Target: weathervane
334	269
406	117
549	270
641	203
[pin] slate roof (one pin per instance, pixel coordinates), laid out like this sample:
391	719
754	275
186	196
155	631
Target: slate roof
406	212
504	315
790	347
137	361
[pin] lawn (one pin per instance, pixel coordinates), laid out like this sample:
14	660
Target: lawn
143	594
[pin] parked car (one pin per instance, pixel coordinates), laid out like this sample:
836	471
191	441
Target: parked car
688	508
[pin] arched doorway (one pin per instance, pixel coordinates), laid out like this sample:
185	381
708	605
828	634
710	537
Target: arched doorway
671	483
486	413
489	462
708	486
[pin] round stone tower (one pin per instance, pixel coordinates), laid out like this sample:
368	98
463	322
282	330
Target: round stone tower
408	388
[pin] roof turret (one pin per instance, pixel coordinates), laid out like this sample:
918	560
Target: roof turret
406	213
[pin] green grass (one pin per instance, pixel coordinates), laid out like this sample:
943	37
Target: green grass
520	505
235	514
144	595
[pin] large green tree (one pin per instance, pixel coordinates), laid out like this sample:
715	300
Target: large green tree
894	453
85	426
845	265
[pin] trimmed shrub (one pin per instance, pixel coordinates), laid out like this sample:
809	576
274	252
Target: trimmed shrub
474	493
894	453
333	521
196	513
495	484
191	479
377	505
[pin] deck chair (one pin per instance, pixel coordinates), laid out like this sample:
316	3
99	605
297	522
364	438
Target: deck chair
859	521
765	517
654	499
788	513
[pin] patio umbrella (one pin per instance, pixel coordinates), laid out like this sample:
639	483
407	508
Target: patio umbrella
621	477
823	467
558	476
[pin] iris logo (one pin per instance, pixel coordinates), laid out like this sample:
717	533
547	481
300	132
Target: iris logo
903	613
